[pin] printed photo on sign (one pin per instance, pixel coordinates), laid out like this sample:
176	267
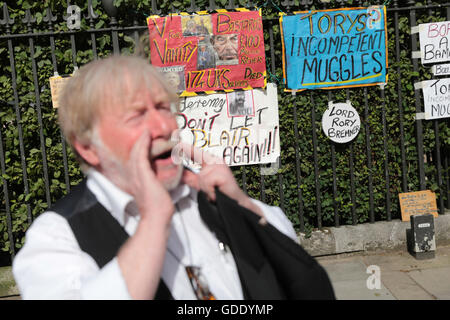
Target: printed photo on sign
240	103
226	48
174	77
221	51
196	25
206	57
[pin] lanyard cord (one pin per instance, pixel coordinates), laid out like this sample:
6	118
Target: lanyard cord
191	257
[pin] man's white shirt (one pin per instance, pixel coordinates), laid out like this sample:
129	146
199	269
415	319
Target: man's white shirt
51	264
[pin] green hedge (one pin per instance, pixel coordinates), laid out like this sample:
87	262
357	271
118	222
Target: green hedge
135	12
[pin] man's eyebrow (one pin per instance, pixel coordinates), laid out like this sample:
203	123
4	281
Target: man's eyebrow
135	106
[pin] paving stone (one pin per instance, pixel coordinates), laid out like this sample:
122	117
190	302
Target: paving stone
436	281
357	290
403	287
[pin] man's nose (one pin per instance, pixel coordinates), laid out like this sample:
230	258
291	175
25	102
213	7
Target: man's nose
228	43
159	125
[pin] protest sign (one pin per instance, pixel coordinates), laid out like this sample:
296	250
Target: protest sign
436	95
336	48
209	52
434	42
441	69
417	203
57	84
340	122
240	127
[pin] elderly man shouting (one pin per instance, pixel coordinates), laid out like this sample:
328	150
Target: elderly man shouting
132	228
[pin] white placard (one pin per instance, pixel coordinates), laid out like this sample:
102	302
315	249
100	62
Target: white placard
241	127
434	42
340	122
441	69
436	95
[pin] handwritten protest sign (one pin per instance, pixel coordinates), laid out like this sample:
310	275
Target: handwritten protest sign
441	69
240	127
434	42
336	48
208	52
340	122
436	95
417	203
57	84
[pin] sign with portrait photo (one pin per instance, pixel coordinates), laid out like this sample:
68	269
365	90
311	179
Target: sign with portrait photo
217	51
336	48
240	127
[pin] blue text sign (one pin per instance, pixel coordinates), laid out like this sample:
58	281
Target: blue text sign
334	48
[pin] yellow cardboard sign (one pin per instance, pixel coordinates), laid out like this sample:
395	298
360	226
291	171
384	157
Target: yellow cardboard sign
57	84
416	203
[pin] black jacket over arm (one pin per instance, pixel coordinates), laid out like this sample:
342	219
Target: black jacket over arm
270	264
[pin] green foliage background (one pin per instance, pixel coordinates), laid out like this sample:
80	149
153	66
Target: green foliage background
25	207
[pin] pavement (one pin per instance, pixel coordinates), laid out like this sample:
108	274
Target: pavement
389	275
365	275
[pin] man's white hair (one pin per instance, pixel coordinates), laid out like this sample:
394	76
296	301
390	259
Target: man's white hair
103	84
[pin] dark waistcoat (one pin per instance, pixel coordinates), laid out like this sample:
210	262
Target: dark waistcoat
98	233
270	264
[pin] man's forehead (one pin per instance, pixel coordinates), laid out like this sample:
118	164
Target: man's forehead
133	92
155	93
143	84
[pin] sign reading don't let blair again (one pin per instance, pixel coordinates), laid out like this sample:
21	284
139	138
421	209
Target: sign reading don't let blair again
336	48
208	52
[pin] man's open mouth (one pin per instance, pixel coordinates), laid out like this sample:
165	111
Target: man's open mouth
163	156
162	152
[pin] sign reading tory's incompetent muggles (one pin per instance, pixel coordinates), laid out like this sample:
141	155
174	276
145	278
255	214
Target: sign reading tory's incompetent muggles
436	96
434	42
240	127
336	48
209	52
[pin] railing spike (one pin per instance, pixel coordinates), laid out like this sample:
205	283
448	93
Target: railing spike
29	19
91	14
6	19
49	17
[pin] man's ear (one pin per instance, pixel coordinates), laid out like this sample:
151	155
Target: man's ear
87	151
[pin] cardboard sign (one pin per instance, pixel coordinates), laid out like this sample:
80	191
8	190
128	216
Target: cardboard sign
340	122
208	52
240	127
434	42
336	48
57	84
436	95
417	203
